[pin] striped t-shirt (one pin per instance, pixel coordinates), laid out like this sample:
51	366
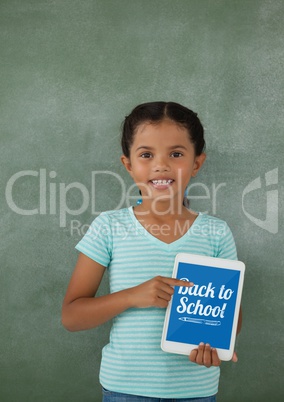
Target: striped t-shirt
132	361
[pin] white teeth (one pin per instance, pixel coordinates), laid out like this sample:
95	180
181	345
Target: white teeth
162	182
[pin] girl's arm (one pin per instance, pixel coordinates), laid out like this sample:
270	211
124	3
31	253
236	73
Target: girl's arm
81	310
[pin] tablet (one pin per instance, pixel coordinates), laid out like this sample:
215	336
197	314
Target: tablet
208	311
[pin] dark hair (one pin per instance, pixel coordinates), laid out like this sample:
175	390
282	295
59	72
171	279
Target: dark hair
156	112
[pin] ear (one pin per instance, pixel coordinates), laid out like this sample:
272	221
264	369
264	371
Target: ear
126	163
199	160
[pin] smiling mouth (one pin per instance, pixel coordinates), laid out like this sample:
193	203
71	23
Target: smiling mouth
161	183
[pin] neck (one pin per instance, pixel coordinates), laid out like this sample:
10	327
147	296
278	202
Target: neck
160	209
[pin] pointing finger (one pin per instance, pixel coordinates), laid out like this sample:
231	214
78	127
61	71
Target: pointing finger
176	282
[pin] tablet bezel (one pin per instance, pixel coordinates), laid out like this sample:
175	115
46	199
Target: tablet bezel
184	348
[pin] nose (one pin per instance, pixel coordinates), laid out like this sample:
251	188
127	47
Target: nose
161	164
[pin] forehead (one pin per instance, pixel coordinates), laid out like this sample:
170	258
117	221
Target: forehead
166	130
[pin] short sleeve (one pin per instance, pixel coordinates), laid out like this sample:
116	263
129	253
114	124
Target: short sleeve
97	242
227	246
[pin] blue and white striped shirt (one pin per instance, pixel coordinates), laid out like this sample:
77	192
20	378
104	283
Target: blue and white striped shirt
132	361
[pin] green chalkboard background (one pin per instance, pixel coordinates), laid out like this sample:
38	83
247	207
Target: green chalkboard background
70	71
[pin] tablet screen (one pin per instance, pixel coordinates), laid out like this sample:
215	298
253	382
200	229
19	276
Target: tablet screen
208	311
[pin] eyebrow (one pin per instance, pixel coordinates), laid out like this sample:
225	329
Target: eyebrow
150	148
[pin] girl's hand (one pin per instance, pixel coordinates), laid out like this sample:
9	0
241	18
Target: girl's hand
206	356
156	292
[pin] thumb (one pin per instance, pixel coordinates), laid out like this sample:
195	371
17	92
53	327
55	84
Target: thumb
235	357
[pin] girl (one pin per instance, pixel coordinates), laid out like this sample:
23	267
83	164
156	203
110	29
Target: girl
163	147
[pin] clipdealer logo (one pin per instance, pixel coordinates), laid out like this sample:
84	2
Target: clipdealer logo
53	196
270	223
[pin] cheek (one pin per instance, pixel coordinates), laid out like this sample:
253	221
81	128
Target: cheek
186	175
138	170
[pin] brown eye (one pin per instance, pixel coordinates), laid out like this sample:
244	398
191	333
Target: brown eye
176	154
146	155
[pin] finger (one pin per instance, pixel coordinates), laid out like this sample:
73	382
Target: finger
192	356
200	353
235	357
161	303
215	358
164	295
161	283
164	288
207	359
176	282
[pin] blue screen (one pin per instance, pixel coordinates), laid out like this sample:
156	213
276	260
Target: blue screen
205	312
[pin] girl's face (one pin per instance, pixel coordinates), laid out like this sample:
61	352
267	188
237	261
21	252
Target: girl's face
162	160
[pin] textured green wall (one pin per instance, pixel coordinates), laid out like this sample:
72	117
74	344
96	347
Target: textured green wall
70	71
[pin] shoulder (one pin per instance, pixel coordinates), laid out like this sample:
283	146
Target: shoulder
211	224
105	227
115	215
111	218
116	212
219	235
